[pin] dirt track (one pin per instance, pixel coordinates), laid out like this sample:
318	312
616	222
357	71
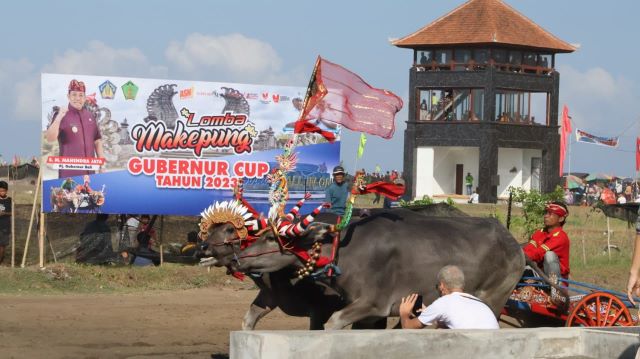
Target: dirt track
160	324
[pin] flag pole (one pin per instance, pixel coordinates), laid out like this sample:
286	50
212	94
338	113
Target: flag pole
308	93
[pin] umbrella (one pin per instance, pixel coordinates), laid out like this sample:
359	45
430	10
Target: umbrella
574	182
599	177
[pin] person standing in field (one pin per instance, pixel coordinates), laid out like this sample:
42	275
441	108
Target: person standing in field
469	183
5	218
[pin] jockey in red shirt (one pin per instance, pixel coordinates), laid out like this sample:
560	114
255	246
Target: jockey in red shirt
549	247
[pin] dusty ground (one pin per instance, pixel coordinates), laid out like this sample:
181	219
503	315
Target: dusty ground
158	324
191	323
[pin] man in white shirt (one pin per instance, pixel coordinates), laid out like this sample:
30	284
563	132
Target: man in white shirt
454	309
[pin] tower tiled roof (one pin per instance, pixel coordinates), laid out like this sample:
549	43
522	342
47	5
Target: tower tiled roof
485	22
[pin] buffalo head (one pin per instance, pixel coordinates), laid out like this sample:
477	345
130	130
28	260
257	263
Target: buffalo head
270	253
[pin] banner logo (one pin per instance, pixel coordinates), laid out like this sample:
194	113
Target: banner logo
107	90
226	131
129	90
187	93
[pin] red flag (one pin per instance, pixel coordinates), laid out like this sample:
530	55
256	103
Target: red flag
338	96
564	135
637	153
390	190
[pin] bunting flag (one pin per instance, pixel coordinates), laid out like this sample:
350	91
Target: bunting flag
564	135
363	141
637	153
582	136
337	96
378	169
16	160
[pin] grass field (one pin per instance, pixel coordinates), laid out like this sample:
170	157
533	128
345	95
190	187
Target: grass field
586	228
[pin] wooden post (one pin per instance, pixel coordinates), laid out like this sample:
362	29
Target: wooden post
161	238
53	252
33	213
584	253
41	239
608	239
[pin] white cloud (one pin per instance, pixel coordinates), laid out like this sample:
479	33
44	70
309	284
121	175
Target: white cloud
232	57
12	73
596	99
100	59
27	98
22	82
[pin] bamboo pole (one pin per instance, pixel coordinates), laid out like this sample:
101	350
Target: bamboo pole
161	239
41	239
53	252
33	213
13	222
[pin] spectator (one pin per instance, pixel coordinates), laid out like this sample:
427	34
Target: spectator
5	218
633	284
469	182
628	192
145	219
132	226
454	309
191	247
95	243
423	59
568	196
475	197
145	256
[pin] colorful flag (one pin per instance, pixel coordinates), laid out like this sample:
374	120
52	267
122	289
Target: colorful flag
637	153
564	135
16	160
378	169
338	96
363	141
582	136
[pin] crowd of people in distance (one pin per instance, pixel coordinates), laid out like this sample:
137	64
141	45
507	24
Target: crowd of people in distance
611	192
138	244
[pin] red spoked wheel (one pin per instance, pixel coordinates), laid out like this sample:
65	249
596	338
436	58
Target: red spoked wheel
600	309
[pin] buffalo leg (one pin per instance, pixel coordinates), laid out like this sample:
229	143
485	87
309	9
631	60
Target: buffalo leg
351	314
258	309
317	320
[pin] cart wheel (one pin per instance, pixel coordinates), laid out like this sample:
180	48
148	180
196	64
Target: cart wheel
599	309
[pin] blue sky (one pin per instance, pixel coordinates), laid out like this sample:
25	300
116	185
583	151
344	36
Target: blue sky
276	42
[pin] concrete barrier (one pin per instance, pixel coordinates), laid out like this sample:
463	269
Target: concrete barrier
535	343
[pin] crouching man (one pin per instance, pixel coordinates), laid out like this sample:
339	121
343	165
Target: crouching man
454	309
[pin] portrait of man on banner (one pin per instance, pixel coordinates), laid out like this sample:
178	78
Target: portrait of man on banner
76	130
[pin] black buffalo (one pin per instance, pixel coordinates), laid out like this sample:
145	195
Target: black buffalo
391	254
296	298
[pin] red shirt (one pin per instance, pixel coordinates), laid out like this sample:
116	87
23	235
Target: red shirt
556	240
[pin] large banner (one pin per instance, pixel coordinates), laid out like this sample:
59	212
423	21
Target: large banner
131	145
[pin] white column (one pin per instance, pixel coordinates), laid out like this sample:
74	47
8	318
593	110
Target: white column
424	171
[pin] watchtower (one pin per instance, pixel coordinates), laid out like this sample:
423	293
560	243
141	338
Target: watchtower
483	100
